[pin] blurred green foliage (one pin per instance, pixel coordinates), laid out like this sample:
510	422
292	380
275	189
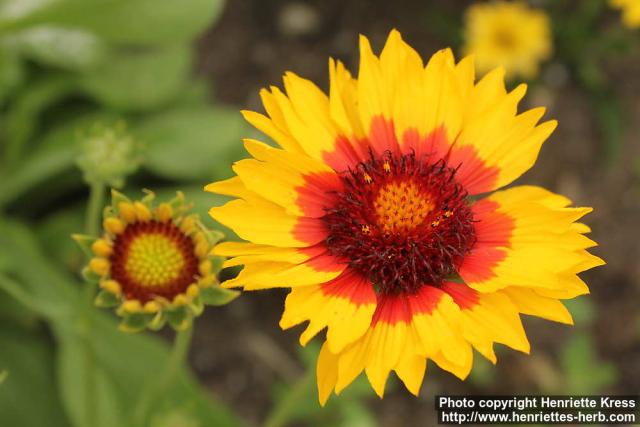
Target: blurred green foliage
579	357
67	66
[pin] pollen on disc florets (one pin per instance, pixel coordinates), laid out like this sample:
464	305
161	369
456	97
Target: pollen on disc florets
401	221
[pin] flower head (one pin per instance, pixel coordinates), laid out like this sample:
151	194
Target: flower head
371	211
507	34
153	263
108	155
630	11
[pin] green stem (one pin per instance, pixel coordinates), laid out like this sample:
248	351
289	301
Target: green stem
94	209
92	226
281	415
156	389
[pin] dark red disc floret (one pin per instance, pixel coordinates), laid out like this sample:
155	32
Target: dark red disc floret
401	221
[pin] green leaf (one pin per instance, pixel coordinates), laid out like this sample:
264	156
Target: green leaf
217	296
483	373
59	47
135	322
23	119
13	311
196	93
121	21
71	130
18	292
108	300
173	417
179	317
12	73
122	363
87	391
28	395
132	360
41	286
579	357
581	310
299	401
192	144
55	232
5	261
138	80
355	414
612	119
41	165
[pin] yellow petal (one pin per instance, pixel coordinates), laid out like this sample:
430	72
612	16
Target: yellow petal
411	367
264	222
530	302
327	373
347	300
486	318
527	238
246	253
343	101
265	275
461	370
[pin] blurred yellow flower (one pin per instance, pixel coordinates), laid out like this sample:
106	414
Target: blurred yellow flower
508	34
630	11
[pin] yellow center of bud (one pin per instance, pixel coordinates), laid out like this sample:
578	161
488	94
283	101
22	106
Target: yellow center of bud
154	260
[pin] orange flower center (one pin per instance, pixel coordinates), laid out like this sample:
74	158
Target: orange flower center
401	206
